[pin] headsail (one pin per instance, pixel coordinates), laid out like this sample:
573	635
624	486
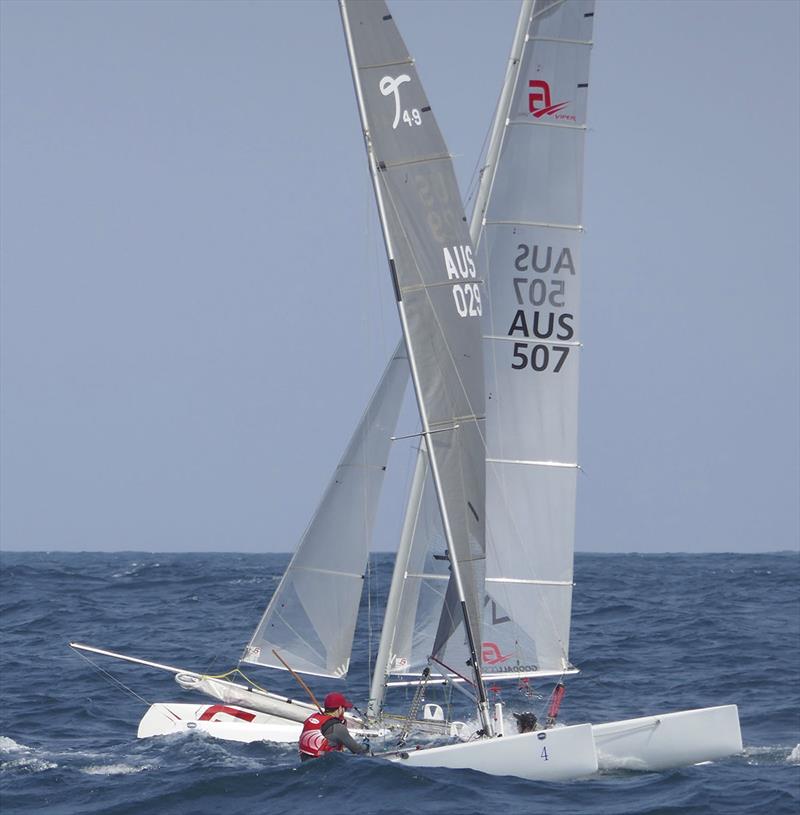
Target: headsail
437	290
311	618
530	249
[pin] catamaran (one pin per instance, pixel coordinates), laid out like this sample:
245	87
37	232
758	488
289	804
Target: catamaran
482	583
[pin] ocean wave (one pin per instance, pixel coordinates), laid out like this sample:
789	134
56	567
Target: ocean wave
115	769
21	758
650	634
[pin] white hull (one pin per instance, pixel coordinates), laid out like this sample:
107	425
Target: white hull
223	721
669	740
230	722
560	754
649	743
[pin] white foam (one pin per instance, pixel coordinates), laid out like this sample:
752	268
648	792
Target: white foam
28	764
794	756
8	745
21	758
114	769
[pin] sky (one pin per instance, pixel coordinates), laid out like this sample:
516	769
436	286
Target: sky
194	299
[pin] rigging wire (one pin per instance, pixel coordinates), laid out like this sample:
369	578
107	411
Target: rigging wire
113	679
475	176
369	621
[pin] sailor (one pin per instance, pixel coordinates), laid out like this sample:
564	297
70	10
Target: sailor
327	732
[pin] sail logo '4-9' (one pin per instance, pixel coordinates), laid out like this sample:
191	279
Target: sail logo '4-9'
391	85
460	265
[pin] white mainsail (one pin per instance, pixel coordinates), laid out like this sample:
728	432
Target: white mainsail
527	210
311	618
530	249
438	297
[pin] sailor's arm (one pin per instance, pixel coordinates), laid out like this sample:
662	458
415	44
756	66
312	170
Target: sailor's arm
337	734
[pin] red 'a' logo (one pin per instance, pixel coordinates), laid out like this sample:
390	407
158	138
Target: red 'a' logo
539	101
490	654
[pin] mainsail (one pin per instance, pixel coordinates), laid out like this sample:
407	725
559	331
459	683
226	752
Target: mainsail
529	197
530	249
437	291
311	618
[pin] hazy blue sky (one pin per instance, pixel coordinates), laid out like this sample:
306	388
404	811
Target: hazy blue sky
195	304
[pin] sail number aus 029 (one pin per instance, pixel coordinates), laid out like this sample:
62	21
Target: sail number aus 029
460	266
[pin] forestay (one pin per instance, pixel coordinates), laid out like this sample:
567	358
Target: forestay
436	287
311	618
530	249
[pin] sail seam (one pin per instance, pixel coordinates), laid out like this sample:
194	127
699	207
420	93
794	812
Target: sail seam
328	571
539	123
557	39
408	61
385	165
544	224
401	683
530	582
470	417
515	338
426	576
569	465
538	13
425	286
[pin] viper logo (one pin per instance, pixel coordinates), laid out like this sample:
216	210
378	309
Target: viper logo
490	654
540	93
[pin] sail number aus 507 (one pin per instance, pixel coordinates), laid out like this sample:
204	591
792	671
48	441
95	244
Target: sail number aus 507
539	357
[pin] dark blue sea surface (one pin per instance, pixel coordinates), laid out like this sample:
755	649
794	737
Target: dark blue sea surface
651	633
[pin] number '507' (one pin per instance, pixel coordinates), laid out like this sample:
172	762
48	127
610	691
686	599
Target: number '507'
539	357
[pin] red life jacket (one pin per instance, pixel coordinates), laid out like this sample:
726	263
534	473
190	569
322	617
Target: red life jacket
312	742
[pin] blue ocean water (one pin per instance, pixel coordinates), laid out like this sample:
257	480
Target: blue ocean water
651	633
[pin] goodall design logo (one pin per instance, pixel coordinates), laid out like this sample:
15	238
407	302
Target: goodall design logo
490	654
540	102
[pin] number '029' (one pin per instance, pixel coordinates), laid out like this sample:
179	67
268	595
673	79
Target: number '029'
468	300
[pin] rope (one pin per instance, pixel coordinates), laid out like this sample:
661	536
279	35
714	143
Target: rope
235	672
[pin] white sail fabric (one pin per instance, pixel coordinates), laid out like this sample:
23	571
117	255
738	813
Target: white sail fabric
505	647
436	286
529	245
530	251
311	618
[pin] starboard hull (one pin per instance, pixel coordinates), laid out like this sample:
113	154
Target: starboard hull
669	740
559	754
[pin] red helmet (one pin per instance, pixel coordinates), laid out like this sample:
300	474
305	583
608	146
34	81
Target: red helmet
334	700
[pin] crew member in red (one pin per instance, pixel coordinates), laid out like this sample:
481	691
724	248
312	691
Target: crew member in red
327	732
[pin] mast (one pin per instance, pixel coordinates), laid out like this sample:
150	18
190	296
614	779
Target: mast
498	126
482	703
487	174
378	689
